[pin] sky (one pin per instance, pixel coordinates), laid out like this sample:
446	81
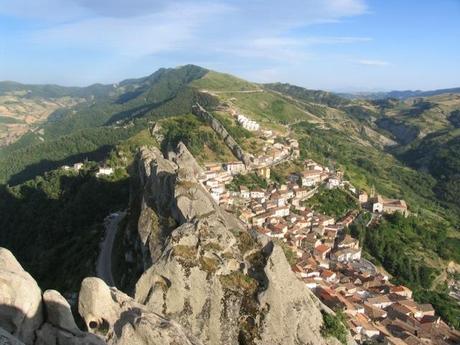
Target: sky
339	45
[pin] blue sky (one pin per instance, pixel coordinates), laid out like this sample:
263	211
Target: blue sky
326	44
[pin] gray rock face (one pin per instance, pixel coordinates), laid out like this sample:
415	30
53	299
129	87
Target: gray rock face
22	316
117	318
58	312
7	339
20	299
225	285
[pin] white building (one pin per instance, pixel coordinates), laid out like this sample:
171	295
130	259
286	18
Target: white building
311	178
78	166
248	124
104	171
234	167
333	182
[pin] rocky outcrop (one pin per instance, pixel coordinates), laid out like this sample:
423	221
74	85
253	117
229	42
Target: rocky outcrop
215	124
208	272
21	308
30	318
120	320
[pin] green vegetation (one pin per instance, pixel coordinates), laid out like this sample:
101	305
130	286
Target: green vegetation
7	120
333	202
214	81
440	154
334	326
236	131
239	282
252	181
268	108
313	96
454	118
199	138
20	165
53	224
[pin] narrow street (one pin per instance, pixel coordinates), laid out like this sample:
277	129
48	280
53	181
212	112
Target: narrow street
104	260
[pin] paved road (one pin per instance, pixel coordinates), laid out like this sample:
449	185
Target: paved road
104	260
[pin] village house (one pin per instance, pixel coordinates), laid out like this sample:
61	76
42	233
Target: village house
264	172
248	124
381	205
381	301
346	255
333	182
104	171
257	194
363	198
348	242
321	251
312	165
78	166
213	167
244	192
310	178
282	211
235	167
328	276
401	291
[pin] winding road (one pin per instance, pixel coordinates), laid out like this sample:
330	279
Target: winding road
104	260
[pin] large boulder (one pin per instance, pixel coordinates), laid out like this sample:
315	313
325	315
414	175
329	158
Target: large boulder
58	312
20	299
117	318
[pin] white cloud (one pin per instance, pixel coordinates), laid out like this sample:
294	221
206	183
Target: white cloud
171	29
373	62
143	27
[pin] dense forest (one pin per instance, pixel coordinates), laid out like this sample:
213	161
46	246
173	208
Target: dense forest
54	224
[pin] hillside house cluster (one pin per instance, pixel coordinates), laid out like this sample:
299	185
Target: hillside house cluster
215	178
275	152
248	124
375	308
76	167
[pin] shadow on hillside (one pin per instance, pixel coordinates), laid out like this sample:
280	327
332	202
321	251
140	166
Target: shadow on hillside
54	226
136	112
45	165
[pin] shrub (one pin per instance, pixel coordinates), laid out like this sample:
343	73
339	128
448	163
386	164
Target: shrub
333	326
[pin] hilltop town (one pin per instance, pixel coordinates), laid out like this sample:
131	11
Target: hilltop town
320	249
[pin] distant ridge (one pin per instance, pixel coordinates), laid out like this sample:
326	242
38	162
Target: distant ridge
401	95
